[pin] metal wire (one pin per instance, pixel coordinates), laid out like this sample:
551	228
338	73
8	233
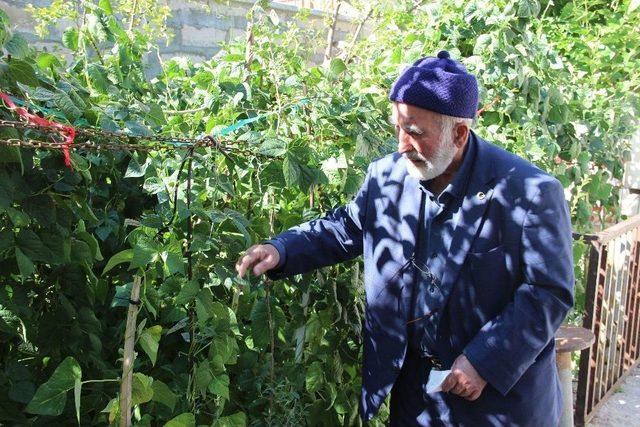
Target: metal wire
107	146
98	133
125	141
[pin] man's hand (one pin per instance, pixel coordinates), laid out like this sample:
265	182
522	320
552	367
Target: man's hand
464	380
261	257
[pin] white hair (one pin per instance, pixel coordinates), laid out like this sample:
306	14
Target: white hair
447	123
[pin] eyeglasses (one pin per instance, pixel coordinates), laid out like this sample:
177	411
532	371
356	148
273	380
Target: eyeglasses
425	273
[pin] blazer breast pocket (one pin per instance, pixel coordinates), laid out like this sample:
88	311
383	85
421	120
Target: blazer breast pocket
490	276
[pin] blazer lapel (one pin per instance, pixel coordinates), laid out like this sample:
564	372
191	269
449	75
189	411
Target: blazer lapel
399	205
477	197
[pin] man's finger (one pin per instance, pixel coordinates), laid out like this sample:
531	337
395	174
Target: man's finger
247	261
264	265
466	393
474	396
243	264
448	383
459	389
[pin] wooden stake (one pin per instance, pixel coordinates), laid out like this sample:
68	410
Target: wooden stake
129	354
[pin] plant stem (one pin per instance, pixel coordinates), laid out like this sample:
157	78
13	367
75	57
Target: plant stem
190	111
356	35
134	10
273	348
248	53
129	356
95	48
332	31
109	380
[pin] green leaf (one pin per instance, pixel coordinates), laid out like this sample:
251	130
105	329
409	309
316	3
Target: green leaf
42	94
6	240
11	155
122	295
239	419
137	129
119	258
173	263
9	322
141	389
273	147
149	341
70	38
23	72
633	5
22	391
98	78
163	394
81	253
155	116
66	105
92	243
273	17
25	265
40	207
183	420
32	246
144	253
260	322
51	397
135	169
187	293
203	376
5	28
219	386
105	5
46	60
17	217
314	377
291	171
528	8
337	66
226	348
18	47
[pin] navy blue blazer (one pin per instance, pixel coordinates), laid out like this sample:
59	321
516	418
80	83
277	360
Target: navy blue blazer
509	274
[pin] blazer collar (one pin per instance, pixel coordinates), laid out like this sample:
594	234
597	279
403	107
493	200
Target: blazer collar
484	169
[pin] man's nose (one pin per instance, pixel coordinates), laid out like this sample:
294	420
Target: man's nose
404	143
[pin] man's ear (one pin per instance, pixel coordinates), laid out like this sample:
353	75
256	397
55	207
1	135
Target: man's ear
460	134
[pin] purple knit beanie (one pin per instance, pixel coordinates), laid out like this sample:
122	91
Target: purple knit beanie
438	84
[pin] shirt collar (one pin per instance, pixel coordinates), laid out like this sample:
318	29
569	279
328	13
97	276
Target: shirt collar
457	187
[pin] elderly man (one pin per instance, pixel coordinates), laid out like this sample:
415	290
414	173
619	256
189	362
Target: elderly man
467	260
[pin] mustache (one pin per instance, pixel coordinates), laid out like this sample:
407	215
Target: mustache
414	155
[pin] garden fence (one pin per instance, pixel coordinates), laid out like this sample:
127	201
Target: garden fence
612	312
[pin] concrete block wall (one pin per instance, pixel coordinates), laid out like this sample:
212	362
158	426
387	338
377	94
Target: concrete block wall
197	30
630	193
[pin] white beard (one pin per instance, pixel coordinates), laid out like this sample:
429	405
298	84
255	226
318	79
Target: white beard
427	169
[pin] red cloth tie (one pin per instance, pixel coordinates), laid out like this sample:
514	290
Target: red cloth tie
68	132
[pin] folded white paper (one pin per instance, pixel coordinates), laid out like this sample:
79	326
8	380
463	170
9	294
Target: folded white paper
436	378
